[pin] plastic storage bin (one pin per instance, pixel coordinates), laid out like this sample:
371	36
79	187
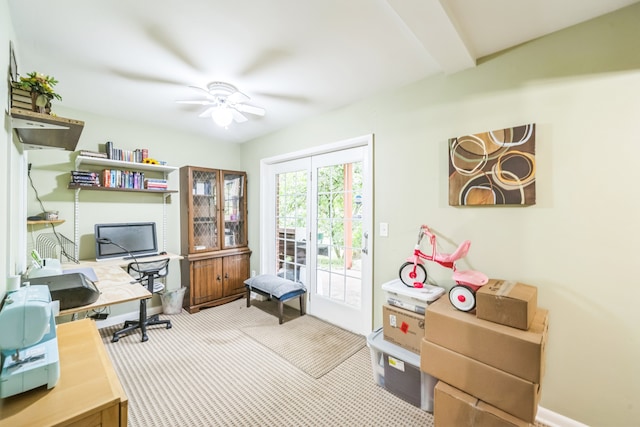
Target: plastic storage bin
398	371
413	299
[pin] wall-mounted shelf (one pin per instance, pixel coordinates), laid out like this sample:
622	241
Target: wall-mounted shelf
129	190
45	222
97	161
39	131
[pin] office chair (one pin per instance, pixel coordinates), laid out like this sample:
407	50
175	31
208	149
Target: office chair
145	273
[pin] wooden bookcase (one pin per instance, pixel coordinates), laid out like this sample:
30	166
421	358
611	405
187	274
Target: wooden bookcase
213	236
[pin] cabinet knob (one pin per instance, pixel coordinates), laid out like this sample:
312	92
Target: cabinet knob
226	275
218	278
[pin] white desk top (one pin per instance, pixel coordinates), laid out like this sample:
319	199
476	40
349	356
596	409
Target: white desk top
114	283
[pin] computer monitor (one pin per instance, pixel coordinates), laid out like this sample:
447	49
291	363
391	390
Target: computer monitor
135	238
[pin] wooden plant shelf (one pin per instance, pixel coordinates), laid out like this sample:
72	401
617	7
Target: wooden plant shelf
45	222
38	131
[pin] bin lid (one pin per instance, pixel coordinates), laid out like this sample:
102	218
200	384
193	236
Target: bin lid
376	341
428	293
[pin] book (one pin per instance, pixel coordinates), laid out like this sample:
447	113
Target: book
85	179
84	184
109	149
80	172
87	153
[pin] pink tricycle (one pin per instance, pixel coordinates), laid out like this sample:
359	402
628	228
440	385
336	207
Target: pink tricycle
463	294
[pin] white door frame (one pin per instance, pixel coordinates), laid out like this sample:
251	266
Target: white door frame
267	217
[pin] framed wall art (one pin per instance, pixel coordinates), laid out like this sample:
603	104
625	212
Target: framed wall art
13	65
493	168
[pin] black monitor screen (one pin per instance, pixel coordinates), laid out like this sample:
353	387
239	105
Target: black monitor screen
136	238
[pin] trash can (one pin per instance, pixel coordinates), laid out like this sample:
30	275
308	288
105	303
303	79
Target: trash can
172	301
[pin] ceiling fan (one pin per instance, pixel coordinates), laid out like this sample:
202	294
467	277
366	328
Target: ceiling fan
225	104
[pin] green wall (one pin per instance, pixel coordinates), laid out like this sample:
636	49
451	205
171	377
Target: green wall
11	195
50	175
581	87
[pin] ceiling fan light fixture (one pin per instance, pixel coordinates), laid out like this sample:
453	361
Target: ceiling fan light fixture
222	116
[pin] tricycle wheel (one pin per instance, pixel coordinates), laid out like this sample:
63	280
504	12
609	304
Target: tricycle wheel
462	297
411	277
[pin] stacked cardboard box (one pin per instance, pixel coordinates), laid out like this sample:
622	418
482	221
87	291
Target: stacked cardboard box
457	408
403	315
498	365
395	350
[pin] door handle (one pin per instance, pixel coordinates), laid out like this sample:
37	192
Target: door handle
365	249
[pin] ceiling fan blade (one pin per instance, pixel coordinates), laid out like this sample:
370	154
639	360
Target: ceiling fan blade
144	78
204	91
238	116
207	112
237	97
201	102
250	109
159	35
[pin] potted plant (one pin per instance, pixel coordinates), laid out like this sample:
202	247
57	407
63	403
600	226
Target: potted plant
40	87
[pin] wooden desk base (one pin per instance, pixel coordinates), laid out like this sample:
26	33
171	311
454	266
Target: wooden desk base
87	394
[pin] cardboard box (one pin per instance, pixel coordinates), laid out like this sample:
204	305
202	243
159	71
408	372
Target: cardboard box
454	407
512	394
403	327
507	302
521	353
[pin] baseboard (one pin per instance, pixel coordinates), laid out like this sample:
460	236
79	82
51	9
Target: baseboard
120	318
552	419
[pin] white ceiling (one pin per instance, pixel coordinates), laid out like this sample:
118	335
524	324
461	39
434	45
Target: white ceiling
295	58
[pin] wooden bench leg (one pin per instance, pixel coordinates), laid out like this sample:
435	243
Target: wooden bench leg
248	297
303	304
280	311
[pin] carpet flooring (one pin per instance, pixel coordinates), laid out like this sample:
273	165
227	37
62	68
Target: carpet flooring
207	370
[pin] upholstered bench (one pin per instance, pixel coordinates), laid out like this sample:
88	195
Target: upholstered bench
276	287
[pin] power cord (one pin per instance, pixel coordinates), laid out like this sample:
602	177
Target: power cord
53	227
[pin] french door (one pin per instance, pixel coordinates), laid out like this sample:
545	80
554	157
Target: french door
319	232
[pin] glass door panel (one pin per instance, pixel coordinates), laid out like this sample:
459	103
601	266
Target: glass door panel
234	206
291	225
204	210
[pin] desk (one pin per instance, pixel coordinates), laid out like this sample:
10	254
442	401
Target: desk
113	283
88	392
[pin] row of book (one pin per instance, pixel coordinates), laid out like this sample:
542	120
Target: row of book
85	178
95	154
115	178
155	184
134	156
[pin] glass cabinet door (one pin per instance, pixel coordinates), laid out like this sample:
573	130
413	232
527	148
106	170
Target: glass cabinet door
204	210
234	209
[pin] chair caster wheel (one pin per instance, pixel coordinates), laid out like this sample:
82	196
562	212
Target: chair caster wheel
115	339
169	326
145	338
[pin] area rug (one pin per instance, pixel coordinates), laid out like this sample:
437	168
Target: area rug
312	345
